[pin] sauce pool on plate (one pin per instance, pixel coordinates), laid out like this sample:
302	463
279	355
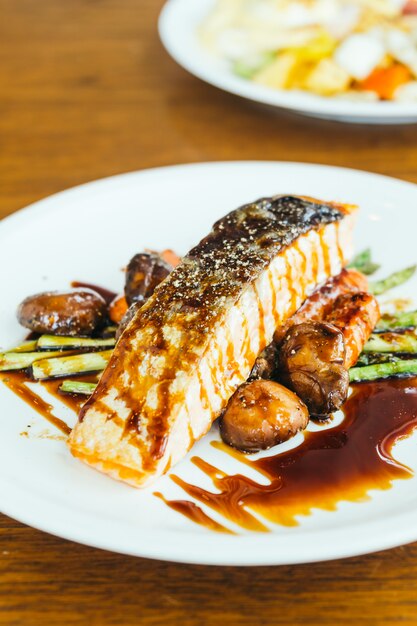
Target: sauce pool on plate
332	465
341	463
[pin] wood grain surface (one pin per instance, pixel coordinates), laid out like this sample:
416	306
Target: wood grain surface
87	91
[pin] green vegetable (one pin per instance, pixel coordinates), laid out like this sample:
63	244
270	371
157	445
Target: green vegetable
109	331
392	342
394	280
383	370
71	365
363	262
370	358
74	386
398	321
50	342
21	360
27	346
249	66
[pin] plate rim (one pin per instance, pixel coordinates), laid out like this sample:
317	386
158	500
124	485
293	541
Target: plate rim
11	505
297	101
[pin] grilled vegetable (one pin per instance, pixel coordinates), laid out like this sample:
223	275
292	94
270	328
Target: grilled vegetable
399	321
315	356
109	331
322	301
392	342
371	358
314	308
27	346
170	257
51	342
311	360
262	414
71	365
127	318
394	280
117	309
71	313
144	273
383	370
75	386
21	360
363	263
266	363
356	316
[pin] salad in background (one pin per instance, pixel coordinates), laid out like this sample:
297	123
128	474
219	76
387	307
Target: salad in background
359	49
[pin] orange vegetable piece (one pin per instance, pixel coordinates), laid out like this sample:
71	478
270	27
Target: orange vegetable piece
385	80
117	309
170	257
410	7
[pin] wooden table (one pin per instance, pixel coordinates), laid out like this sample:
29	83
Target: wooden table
87	91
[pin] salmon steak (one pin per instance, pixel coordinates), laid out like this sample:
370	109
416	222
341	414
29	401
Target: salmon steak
187	350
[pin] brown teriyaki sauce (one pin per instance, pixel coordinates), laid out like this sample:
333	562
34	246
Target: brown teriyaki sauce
194	513
342	463
106	294
16	382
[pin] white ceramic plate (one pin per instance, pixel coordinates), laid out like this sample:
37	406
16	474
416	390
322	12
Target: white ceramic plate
178	25
89	233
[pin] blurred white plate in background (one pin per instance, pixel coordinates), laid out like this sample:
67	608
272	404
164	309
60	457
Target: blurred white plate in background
178	24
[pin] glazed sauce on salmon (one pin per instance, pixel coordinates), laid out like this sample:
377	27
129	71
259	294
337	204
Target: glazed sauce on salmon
332	465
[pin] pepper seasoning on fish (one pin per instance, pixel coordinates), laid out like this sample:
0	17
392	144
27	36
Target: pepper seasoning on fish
196	339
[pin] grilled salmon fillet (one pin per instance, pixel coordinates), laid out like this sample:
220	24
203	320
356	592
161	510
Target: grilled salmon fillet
196	339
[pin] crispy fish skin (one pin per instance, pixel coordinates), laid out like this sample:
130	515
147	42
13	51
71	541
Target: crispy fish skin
195	341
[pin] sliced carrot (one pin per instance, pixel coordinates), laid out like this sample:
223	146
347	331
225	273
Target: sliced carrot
170	257
410	7
117	309
385	80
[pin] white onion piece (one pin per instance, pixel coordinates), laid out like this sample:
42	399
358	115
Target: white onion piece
359	55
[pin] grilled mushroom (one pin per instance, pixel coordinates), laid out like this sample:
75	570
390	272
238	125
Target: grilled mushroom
144	273
261	414
311	363
71	313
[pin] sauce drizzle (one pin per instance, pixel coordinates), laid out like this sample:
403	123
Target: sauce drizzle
342	463
15	381
194	513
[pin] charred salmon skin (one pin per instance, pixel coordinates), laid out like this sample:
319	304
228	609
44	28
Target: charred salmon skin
196	339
